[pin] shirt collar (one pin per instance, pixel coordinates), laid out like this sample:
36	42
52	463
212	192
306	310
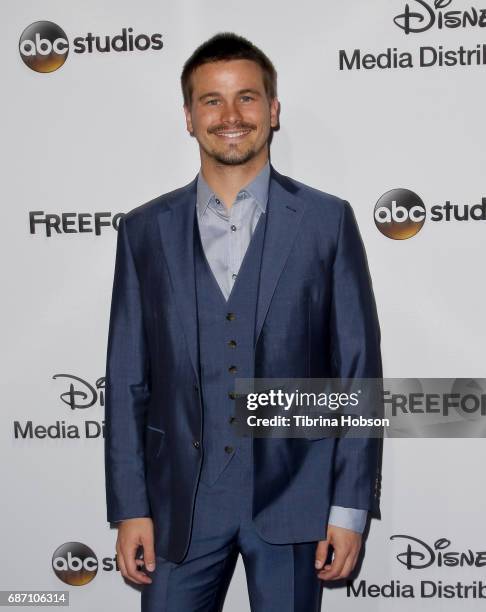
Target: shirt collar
258	189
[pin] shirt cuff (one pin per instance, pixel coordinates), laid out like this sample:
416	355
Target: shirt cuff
348	518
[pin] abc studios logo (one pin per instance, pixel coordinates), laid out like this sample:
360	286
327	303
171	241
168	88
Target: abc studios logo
75	563
399	214
43	46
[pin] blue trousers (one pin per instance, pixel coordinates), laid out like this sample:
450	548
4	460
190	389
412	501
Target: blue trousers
280	577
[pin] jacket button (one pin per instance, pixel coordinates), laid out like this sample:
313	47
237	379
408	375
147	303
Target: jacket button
232	343
232	369
232	419
196	388
228	449
231	316
232	395
196	444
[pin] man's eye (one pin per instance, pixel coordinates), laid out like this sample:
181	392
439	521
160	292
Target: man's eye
246	98
212	102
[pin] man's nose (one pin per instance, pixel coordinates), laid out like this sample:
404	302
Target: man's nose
231	113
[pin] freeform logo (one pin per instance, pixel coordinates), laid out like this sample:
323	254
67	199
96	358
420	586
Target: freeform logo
400	214
75	563
72	223
44	46
424	15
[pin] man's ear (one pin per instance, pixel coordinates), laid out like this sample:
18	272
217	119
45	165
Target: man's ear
274	113
189	126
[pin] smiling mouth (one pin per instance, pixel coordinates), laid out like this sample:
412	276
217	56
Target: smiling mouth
233	134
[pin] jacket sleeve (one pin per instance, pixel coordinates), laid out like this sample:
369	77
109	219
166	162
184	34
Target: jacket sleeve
355	353
127	391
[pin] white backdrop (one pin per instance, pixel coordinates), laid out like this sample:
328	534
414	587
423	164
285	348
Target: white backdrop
105	133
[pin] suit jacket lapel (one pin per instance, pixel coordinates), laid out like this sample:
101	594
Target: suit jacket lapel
285	210
176	225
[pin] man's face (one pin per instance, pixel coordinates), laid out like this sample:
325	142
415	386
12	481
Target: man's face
230	114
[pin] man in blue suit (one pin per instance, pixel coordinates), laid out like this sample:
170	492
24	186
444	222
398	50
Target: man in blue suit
241	273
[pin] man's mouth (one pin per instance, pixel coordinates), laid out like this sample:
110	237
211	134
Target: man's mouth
232	133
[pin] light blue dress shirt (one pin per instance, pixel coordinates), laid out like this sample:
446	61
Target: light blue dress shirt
225	236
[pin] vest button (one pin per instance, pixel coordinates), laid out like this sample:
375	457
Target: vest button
228	449
232	343
196	444
232	419
232	369
232	395
231	316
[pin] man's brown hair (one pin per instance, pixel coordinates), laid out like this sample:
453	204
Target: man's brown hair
227	46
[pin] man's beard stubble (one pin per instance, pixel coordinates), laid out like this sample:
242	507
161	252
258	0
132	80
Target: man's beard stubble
232	157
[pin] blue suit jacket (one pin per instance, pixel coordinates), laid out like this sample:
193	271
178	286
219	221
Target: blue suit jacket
316	317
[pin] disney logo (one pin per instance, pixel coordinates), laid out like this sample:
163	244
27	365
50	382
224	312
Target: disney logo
419	555
427	14
414	21
82	395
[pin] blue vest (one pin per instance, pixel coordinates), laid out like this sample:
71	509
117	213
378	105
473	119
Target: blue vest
226	331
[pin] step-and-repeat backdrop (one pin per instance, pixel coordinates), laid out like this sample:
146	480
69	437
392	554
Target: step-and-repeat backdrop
383	105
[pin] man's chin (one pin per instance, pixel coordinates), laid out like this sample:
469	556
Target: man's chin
234	158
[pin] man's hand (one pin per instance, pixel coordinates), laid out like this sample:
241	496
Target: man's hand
131	534
346	544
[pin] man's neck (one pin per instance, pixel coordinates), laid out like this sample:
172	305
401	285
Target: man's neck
226	181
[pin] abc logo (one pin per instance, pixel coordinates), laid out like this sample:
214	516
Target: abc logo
75	563
399	214
43	46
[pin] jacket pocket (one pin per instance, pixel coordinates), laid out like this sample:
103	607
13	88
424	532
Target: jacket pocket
154	441
320	437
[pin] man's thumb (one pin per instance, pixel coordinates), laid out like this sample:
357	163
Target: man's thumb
321	554
149	554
